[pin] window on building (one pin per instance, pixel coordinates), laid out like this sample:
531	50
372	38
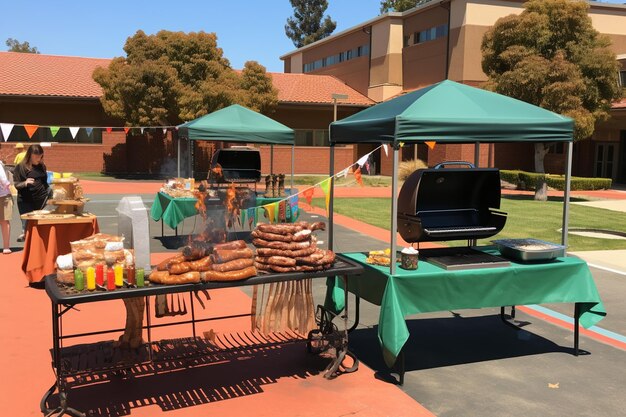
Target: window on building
311	137
430	34
359	51
622	78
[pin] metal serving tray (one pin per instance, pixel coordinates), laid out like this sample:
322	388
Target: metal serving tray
529	249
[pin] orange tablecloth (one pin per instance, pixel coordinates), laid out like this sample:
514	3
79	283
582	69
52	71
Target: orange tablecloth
44	242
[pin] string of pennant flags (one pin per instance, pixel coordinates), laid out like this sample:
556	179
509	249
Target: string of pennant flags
288	207
7	128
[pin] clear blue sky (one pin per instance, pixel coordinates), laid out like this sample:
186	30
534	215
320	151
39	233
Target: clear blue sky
246	29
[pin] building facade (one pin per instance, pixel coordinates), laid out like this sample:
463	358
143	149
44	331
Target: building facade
400	52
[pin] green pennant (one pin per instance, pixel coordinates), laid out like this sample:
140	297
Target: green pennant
54	130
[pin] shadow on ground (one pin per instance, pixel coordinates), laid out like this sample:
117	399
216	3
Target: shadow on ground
441	342
235	375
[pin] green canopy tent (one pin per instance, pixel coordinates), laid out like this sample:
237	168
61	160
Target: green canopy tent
236	123
449	112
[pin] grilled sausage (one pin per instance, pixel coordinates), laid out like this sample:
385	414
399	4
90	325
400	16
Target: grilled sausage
229	275
165	265
179	268
224	255
235	244
233	265
288	253
203	264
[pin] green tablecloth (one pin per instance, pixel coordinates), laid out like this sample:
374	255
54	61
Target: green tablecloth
431	288
172	210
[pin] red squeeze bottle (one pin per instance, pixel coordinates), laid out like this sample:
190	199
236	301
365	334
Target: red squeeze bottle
100	274
130	274
110	279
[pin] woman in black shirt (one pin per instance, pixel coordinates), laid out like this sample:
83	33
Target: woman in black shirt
31	181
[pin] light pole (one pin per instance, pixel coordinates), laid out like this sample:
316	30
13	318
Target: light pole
336	97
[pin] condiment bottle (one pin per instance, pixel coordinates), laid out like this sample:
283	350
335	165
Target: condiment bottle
91	278
79	283
100	275
130	274
139	275
119	275
110	279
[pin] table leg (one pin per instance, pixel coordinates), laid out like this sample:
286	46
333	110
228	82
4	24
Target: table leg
193	315
357	311
576	327
508	322
149	328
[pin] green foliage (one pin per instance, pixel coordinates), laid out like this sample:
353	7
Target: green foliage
551	56
399	5
17	46
529	180
172	77
306	26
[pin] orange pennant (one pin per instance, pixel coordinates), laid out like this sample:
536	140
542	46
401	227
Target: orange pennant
31	129
308	194
109	129
357	176
126	129
431	144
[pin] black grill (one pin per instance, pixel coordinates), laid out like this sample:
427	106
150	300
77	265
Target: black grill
450	204
240	165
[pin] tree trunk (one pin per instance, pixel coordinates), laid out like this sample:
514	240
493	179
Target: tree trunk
541	189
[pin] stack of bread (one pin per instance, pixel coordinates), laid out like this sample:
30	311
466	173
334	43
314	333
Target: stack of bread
229	261
100	248
290	247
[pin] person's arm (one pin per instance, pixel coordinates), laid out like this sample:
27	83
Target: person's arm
19	177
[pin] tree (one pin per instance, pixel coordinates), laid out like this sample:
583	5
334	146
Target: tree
551	56
306	25
17	46
399	5
172	77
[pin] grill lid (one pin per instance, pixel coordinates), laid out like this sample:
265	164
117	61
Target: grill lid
449	204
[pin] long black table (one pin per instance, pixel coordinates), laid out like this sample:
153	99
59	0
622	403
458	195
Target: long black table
104	358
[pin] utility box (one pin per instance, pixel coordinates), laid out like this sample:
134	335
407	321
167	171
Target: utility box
133	225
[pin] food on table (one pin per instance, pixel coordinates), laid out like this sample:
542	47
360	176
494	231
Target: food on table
179	188
65	269
379	257
409	258
79	283
205	261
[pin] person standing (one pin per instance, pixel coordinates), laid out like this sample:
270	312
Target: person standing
21	153
6	209
31	181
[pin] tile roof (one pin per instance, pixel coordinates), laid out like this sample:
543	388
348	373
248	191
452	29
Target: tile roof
24	74
315	89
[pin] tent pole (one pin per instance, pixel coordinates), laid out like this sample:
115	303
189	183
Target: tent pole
394	208
271	159
293	159
476	154
331	190
568	180
178	155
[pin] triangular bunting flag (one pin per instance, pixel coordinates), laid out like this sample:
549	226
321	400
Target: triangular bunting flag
431	144
250	213
126	130
386	149
6	130
109	129
164	131
362	160
30	130
357	176
89	130
282	211
258	214
293	205
343	173
74	131
325	186
141	130
54	130
243	217
308	194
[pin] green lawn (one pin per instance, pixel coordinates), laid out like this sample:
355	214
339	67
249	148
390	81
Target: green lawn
526	218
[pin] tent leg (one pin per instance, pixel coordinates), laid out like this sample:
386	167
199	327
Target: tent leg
394	208
293	161
331	228
568	180
476	154
178	157
271	159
